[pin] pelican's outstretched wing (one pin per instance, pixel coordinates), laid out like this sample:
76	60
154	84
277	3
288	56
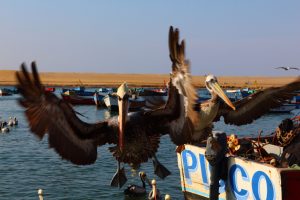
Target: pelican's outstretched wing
182	94
181	76
72	138
257	104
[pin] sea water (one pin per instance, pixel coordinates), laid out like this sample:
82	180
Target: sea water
27	164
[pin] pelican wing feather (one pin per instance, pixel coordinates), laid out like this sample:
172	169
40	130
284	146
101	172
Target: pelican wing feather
254	106
182	81
72	138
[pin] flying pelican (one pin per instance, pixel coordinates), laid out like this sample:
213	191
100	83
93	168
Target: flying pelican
241	112
136	136
287	68
196	121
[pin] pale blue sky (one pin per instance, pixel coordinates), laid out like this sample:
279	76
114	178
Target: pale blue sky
229	37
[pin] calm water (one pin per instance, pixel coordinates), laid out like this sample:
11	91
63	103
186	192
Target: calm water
27	164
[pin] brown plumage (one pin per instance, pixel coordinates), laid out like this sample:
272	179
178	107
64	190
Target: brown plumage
241	112
77	141
255	105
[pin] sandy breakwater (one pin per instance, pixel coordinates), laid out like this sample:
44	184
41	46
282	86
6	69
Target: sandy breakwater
7	77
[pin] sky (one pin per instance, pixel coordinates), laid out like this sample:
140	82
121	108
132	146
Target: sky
232	37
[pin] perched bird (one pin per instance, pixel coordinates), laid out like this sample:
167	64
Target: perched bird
154	194
15	121
136	190
4	128
135	136
287	68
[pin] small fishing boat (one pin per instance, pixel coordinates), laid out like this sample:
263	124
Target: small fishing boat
111	102
247	179
50	89
255	168
77	99
154	97
5	92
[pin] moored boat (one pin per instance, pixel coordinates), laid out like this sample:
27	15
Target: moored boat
247	179
154	97
50	89
5	92
111	102
76	99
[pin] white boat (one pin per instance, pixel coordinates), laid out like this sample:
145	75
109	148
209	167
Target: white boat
247	179
111	102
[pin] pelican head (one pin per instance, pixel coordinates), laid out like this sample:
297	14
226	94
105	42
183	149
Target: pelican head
213	87
123	103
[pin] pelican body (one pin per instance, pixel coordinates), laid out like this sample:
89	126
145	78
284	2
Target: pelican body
241	112
135	136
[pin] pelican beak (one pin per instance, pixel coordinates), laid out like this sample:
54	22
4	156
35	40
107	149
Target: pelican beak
218	90
123	103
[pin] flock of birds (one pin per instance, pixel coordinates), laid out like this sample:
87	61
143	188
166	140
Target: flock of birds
135	137
12	121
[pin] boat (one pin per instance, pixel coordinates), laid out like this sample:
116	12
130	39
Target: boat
5	92
82	99
247	179
154	97
248	176
111	102
50	89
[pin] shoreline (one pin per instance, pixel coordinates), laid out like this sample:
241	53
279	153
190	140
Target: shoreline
70	79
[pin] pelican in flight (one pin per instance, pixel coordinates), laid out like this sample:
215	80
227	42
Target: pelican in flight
196	121
287	68
241	112
134	137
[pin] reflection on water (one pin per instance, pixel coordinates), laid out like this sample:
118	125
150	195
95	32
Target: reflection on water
26	163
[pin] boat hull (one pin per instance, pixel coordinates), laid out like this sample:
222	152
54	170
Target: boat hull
247	179
111	103
81	100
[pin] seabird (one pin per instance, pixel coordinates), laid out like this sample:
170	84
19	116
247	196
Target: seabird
136	190
238	113
135	136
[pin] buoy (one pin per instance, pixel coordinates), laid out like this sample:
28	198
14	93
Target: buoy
167	197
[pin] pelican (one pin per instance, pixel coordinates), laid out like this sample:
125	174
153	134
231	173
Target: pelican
4	129
196	121
10	121
241	112
15	121
136	190
135	136
154	194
